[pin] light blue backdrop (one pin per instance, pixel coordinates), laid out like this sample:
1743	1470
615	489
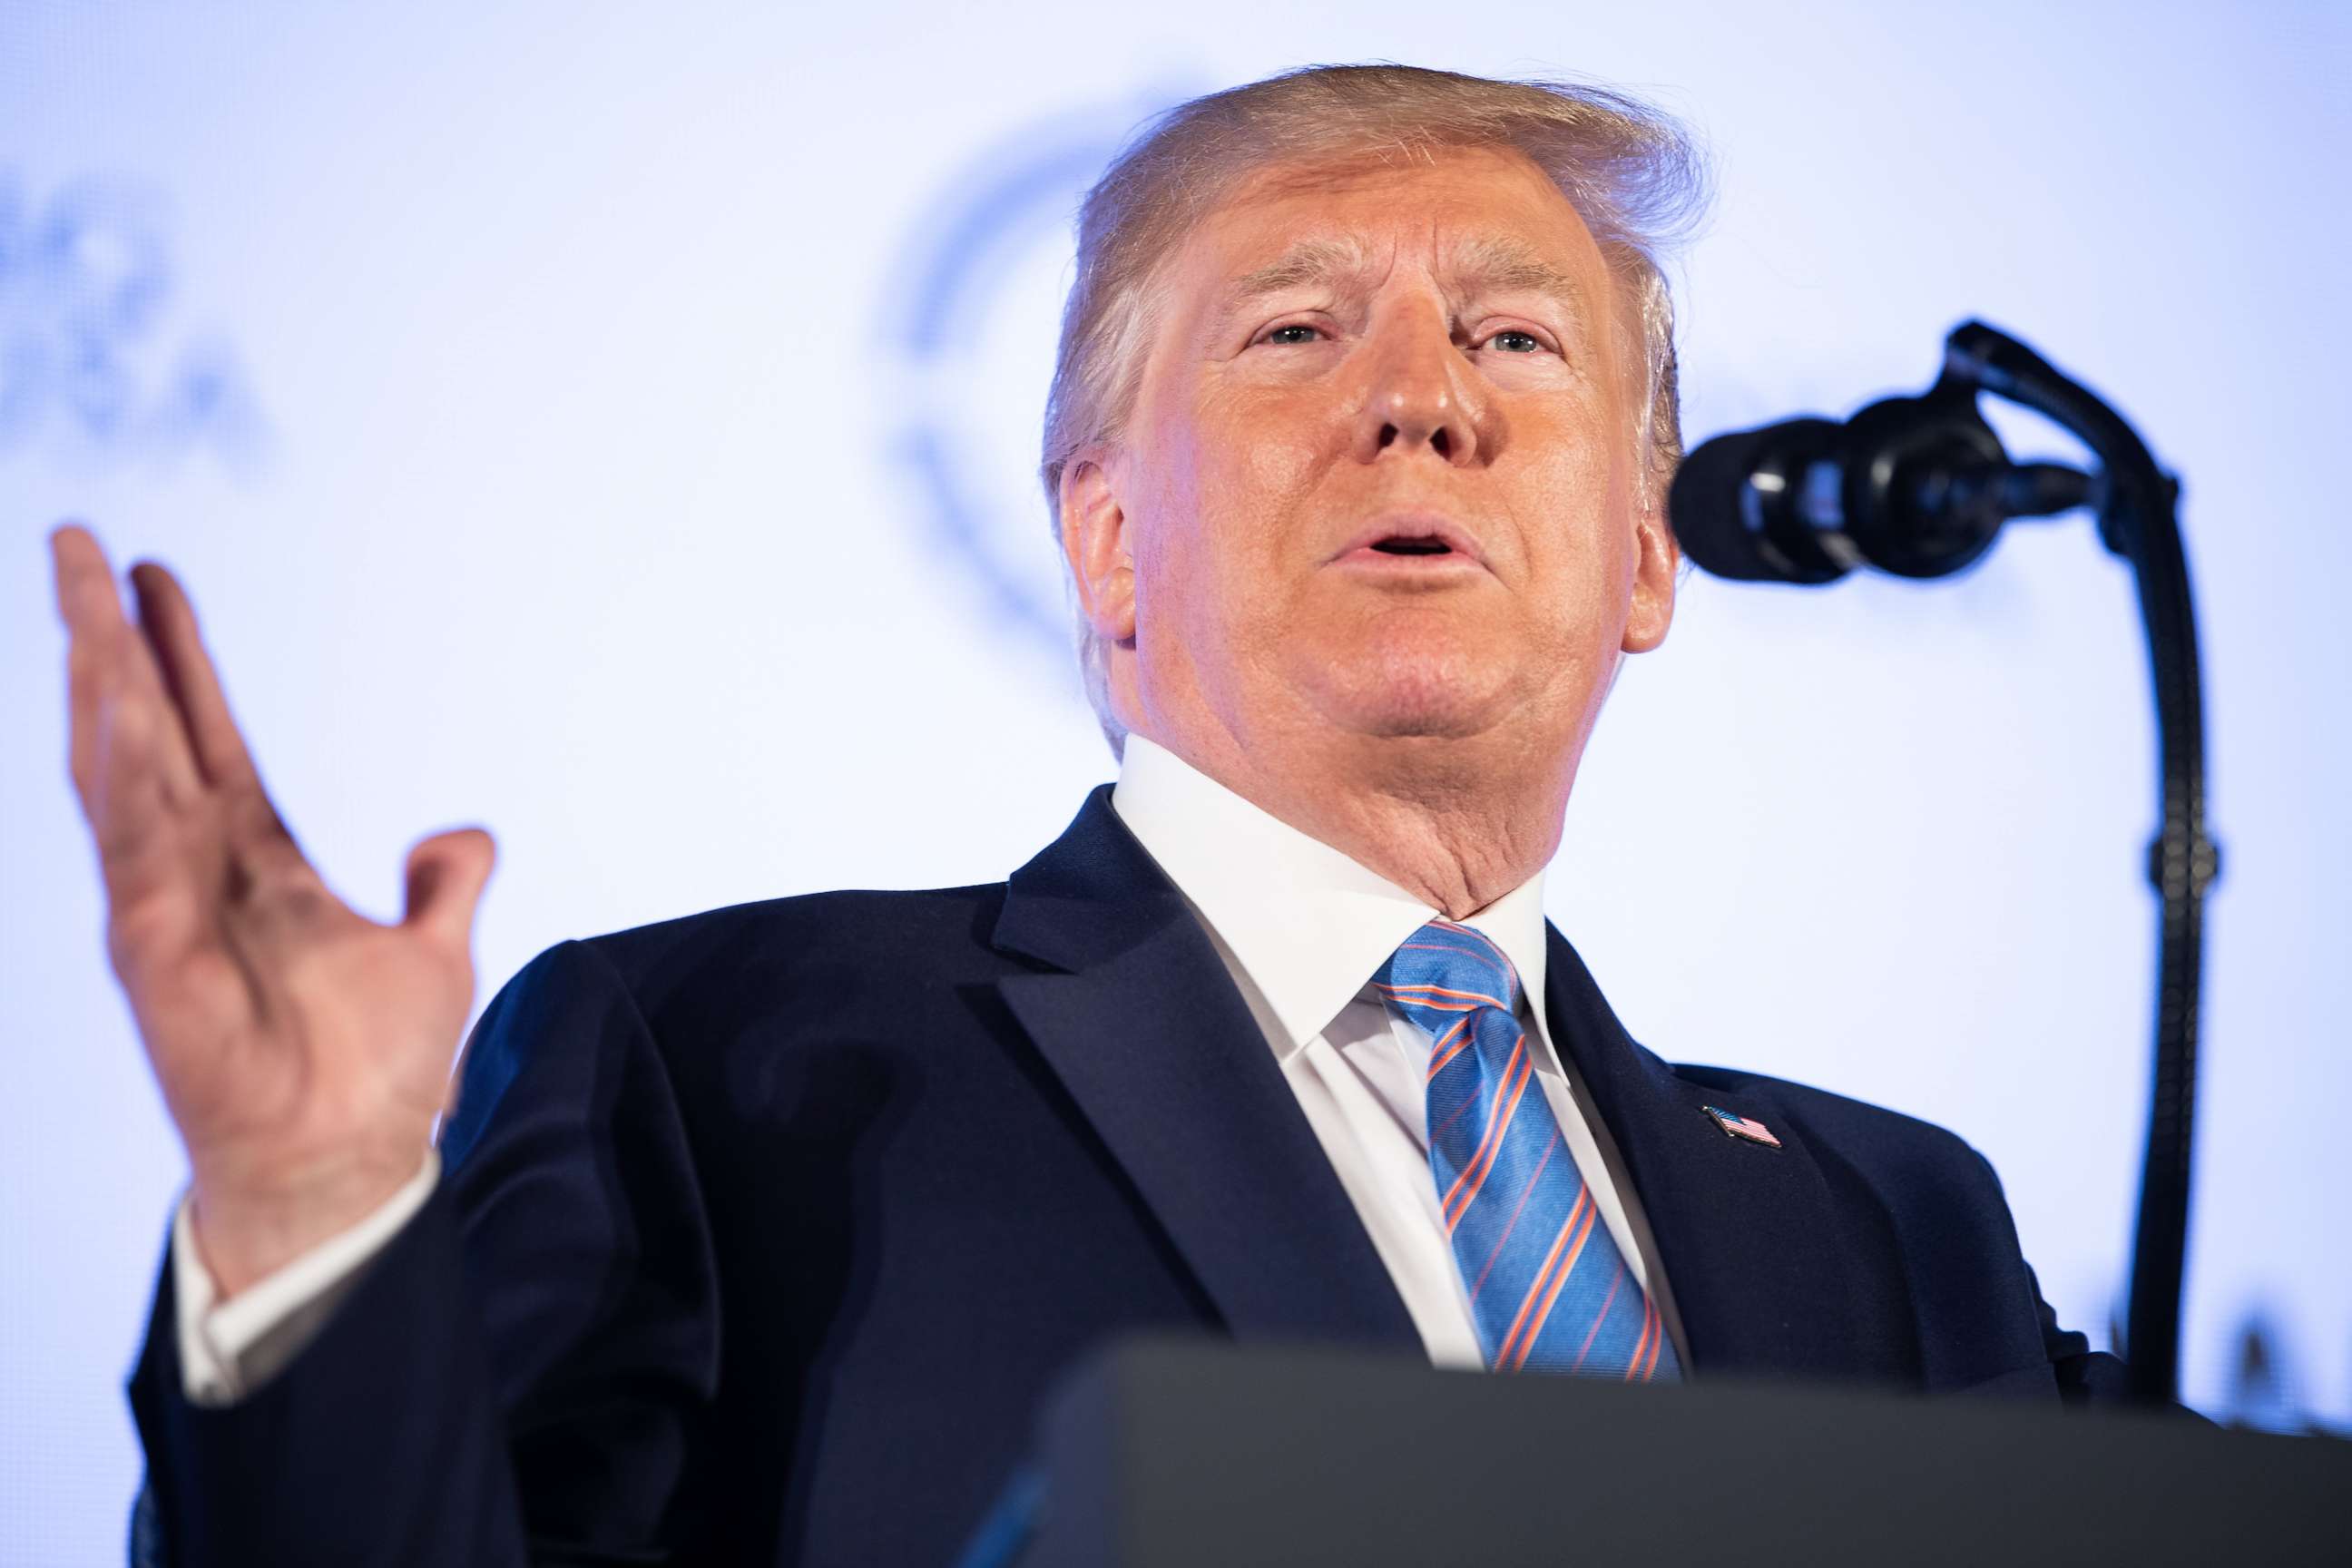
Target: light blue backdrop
613	425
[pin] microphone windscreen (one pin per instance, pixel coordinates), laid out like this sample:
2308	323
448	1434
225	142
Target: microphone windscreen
1738	504
1706	506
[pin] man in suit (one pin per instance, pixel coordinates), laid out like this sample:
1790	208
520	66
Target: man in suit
755	1236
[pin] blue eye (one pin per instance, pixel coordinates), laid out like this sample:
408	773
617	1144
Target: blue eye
1517	342
1307	334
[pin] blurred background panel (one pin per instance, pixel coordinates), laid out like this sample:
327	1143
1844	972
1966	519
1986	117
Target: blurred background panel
616	425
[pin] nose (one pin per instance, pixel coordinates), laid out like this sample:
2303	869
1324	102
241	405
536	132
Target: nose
1417	396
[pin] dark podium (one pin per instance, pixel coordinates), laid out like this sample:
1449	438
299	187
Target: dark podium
1161	1454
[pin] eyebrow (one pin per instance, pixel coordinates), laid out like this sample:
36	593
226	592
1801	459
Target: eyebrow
1513	267
1495	265
1309	262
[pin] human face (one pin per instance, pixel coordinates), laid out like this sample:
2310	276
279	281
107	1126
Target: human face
1382	478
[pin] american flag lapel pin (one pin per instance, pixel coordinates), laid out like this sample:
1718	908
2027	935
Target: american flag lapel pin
1744	1127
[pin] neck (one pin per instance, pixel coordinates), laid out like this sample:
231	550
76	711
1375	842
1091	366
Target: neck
1459	824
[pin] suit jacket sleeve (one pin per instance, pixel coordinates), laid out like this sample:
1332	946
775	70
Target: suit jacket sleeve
519	1373
2084	1376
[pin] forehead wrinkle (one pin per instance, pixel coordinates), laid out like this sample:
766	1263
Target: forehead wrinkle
1507	265
1317	260
1487	265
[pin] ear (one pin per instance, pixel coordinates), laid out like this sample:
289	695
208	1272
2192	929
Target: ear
1658	561
1095	542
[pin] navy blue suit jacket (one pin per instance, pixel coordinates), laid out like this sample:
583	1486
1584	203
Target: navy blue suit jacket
761	1232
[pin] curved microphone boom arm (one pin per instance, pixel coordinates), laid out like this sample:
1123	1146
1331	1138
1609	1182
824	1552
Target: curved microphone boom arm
1920	487
2139	521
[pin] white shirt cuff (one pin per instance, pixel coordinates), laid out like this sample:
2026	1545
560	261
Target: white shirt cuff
227	1349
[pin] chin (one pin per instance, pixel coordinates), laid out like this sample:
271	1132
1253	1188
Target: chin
1393	687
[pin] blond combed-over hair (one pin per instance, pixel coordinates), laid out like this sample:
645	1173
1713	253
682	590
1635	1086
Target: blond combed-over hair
1631	173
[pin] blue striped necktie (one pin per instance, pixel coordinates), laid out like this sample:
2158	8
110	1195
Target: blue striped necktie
1548	1289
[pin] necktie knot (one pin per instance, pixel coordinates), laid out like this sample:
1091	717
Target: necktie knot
1443	971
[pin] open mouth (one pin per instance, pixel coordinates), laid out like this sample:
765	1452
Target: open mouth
1431	540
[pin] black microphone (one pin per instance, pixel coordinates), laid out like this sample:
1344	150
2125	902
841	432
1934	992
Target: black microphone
1915	486
1919	486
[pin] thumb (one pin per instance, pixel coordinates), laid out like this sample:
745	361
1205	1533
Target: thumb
445	873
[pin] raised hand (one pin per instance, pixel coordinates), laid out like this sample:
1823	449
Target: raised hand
303	1049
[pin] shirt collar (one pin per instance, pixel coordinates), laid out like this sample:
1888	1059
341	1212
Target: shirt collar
1307	924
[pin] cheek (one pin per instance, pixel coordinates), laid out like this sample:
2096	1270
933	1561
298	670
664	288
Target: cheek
1163	512
1231	503
1254	445
1579	514
1183	547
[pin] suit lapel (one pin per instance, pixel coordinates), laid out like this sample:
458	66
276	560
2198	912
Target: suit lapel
1141	1024
1138	1018
1753	1246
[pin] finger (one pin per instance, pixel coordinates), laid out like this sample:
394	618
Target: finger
120	757
189	678
92	612
121	797
77	563
77	556
110	666
174	754
259	838
446	876
131	820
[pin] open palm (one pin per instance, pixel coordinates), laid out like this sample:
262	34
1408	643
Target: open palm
303	1048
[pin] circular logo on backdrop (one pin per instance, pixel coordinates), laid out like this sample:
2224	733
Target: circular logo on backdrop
986	272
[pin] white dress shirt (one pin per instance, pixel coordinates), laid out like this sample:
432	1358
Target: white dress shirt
1301	929
229	1348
